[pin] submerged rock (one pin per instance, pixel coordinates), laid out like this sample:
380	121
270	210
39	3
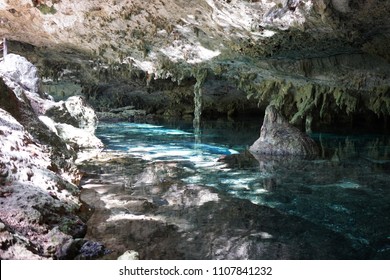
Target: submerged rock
197	222
278	137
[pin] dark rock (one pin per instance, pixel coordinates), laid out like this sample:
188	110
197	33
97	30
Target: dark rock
278	137
92	250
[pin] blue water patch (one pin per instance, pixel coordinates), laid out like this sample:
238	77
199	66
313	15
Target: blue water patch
345	189
155	142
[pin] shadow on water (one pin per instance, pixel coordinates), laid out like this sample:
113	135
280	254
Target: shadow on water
179	200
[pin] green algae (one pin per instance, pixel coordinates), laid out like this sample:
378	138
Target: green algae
46	10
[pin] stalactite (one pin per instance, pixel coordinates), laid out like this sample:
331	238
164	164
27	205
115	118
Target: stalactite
200	76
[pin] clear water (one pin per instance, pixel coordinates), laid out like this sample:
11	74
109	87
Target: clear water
346	189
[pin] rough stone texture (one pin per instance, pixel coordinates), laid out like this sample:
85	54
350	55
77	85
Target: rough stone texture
21	71
129	256
79	137
33	198
326	58
74	111
278	137
38	179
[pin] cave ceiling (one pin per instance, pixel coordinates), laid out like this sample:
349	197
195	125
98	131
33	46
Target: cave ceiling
330	43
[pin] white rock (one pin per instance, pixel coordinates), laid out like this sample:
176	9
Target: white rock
49	123
21	71
81	137
129	255
78	108
74	111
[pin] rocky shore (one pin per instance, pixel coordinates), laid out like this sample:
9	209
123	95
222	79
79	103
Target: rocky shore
40	141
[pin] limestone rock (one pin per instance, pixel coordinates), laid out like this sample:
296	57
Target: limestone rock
278	137
129	255
73	135
33	198
74	121
74	111
117	55
38	197
21	71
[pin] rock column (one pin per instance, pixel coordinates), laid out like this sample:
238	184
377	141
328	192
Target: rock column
279	137
200	76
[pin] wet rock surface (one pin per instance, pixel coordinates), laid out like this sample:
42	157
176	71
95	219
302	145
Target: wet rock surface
144	207
278	137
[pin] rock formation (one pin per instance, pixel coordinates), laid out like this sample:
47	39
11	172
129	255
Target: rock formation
278	137
39	194
324	62
324	59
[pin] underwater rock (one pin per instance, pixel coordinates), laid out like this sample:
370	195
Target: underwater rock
197	223
278	137
92	250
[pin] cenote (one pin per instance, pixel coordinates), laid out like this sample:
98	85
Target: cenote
334	206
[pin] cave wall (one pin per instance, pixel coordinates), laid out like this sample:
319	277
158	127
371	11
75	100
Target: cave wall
322	62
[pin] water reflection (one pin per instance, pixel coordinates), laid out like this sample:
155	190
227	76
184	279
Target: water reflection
346	189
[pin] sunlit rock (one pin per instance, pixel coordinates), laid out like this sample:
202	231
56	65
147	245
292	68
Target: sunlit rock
33	197
21	71
278	137
129	255
38	178
74	111
81	138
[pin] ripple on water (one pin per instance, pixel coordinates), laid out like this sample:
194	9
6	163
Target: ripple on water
342	190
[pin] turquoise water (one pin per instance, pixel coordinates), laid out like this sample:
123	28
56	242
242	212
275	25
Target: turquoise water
346	189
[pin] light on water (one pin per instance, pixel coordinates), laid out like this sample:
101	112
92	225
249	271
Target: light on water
346	189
